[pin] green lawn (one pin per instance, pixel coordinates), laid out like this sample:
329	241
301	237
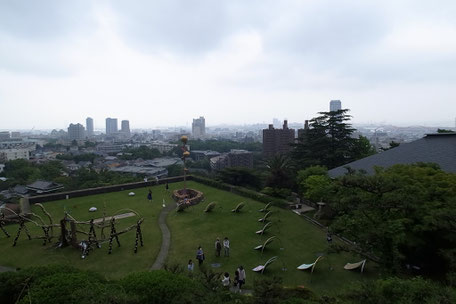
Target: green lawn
297	240
121	261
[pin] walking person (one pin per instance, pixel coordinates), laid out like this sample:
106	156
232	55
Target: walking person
149	196
190	266
226	246
200	255
241	277
236	282
218	247
167	187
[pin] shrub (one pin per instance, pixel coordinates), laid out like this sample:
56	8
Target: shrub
161	287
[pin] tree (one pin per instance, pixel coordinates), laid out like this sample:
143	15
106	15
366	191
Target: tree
280	173
445	131
405	214
329	142
240	176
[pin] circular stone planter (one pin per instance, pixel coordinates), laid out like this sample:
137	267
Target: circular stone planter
193	196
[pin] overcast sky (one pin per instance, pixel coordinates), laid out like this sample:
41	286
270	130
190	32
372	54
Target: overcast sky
160	63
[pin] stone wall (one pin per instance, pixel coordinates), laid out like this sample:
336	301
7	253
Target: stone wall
106	189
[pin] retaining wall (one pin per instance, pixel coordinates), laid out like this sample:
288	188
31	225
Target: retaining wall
106	189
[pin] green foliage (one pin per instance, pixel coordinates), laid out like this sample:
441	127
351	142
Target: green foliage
401	291
317	188
405	215
161	287
78	158
268	290
308	172
329	142
240	191
175	170
143	152
223	146
280	172
21	171
445	131
200	164
276	192
240	177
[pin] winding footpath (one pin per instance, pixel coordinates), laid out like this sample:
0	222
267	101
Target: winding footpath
166	237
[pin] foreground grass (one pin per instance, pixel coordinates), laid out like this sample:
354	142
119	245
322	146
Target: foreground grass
297	240
121	261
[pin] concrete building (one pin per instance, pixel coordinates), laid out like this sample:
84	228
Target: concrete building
235	158
335	105
240	158
203	154
4	135
277	141
89	126
199	127
301	132
162	146
14	153
76	132
111	126
125	128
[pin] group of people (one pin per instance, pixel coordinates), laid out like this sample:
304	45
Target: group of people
226	247
218	249
239	279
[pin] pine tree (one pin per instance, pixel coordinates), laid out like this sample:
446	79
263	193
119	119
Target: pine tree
327	142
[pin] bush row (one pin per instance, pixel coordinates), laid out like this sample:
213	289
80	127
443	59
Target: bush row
241	191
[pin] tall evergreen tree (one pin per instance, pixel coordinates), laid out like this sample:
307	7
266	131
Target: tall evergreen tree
327	142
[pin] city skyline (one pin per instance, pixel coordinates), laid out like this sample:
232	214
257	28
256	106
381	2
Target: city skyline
237	63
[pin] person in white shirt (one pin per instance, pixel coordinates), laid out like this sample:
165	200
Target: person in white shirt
190	265
226	246
226	280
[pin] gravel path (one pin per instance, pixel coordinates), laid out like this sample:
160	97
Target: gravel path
166	237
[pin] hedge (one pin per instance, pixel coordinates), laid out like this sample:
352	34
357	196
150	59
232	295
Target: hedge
241	191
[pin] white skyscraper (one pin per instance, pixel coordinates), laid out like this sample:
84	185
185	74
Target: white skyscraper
111	126
199	127
89	126
335	105
125	127
76	132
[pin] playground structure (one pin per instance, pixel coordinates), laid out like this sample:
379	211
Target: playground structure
68	230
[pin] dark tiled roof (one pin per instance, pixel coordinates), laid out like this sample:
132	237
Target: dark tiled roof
43	185
433	148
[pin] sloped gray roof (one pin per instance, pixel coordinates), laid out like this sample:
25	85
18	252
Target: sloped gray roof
433	148
43	185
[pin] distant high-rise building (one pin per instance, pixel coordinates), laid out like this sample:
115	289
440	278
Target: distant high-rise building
89	126
199	127
4	135
335	105
111	126
276	123
125	127
277	141
76	132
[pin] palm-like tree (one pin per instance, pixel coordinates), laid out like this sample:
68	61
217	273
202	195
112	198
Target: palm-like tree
280	172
